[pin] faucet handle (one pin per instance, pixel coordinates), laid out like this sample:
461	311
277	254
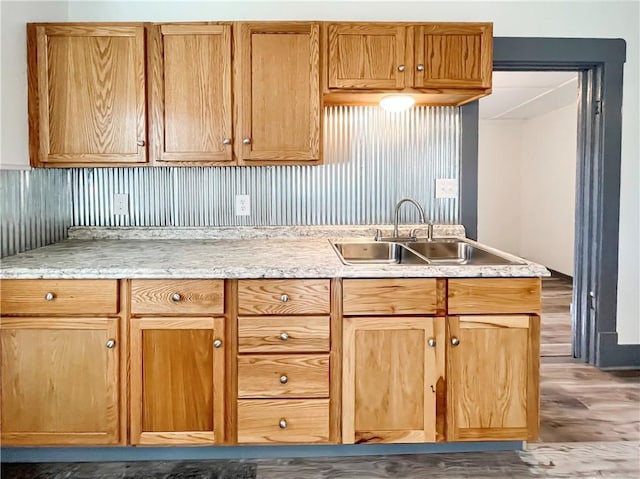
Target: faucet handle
413	234
378	235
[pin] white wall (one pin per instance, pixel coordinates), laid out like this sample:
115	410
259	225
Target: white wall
14	138
499	166
588	19
547	180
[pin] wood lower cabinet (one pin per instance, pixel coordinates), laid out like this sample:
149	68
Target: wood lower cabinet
87	99
177	380
493	377
278	92
392	379
60	381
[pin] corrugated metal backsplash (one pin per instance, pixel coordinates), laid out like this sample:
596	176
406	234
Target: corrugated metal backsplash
35	208
372	159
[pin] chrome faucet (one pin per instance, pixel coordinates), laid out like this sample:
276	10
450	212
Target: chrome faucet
396	214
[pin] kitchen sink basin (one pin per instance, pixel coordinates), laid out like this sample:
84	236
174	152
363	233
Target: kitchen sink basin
454	251
376	252
447	251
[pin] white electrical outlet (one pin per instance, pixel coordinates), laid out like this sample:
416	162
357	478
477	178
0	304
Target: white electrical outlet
446	188
121	204
243	205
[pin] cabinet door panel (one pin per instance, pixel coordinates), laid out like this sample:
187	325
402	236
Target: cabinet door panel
454	55
177	381
279	92
366	56
390	379
91	94
191	93
491	394
60	381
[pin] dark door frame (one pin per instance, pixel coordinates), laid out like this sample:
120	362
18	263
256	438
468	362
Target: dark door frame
600	63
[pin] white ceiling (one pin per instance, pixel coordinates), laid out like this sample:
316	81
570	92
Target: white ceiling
523	95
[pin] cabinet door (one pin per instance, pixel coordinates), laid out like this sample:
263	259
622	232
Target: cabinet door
366	56
60	381
87	105
450	55
190	93
177	380
493	377
391	379
278	92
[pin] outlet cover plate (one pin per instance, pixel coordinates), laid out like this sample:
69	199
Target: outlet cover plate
446	188
121	204
243	205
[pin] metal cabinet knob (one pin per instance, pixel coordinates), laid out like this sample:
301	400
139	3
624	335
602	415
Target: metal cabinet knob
226	141
282	423
284	298
284	379
140	142
401	68
431	342
49	296
110	344
455	341
217	343
284	336
246	141
420	67
176	297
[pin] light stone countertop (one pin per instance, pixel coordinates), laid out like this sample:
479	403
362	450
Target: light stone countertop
236	253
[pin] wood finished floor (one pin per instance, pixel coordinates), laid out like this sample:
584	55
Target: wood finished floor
590	428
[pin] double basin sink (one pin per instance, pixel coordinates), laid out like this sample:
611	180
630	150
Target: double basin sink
443	251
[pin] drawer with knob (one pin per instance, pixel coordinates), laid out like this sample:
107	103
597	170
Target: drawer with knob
177	297
283	376
66	296
283	421
282	334
283	296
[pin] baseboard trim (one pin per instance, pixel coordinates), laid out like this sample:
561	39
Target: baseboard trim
611	355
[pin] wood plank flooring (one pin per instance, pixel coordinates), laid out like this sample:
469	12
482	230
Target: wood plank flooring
590	428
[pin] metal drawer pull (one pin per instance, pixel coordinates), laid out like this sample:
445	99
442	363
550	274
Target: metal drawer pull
284	336
431	342
282	423
226	141
420	67
284	298
110	344
217	343
284	379
176	297
455	341
401	68
49	296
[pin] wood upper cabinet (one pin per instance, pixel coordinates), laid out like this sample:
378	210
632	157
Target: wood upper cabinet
190	93
392	379
493	377
177	380
366	55
60	381
278	92
453	55
87	103
437	63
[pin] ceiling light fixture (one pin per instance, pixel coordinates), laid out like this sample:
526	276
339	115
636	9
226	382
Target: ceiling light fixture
397	102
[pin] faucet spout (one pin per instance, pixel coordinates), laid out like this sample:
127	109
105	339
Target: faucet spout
396	213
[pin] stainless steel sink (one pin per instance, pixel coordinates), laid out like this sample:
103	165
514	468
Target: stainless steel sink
420	252
454	251
376	252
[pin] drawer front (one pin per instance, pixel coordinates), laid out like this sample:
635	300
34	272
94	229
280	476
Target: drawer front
177	297
494	295
283	376
391	296
283	421
283	334
52	296
283	296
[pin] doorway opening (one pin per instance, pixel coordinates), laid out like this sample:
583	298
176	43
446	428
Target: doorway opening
527	164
